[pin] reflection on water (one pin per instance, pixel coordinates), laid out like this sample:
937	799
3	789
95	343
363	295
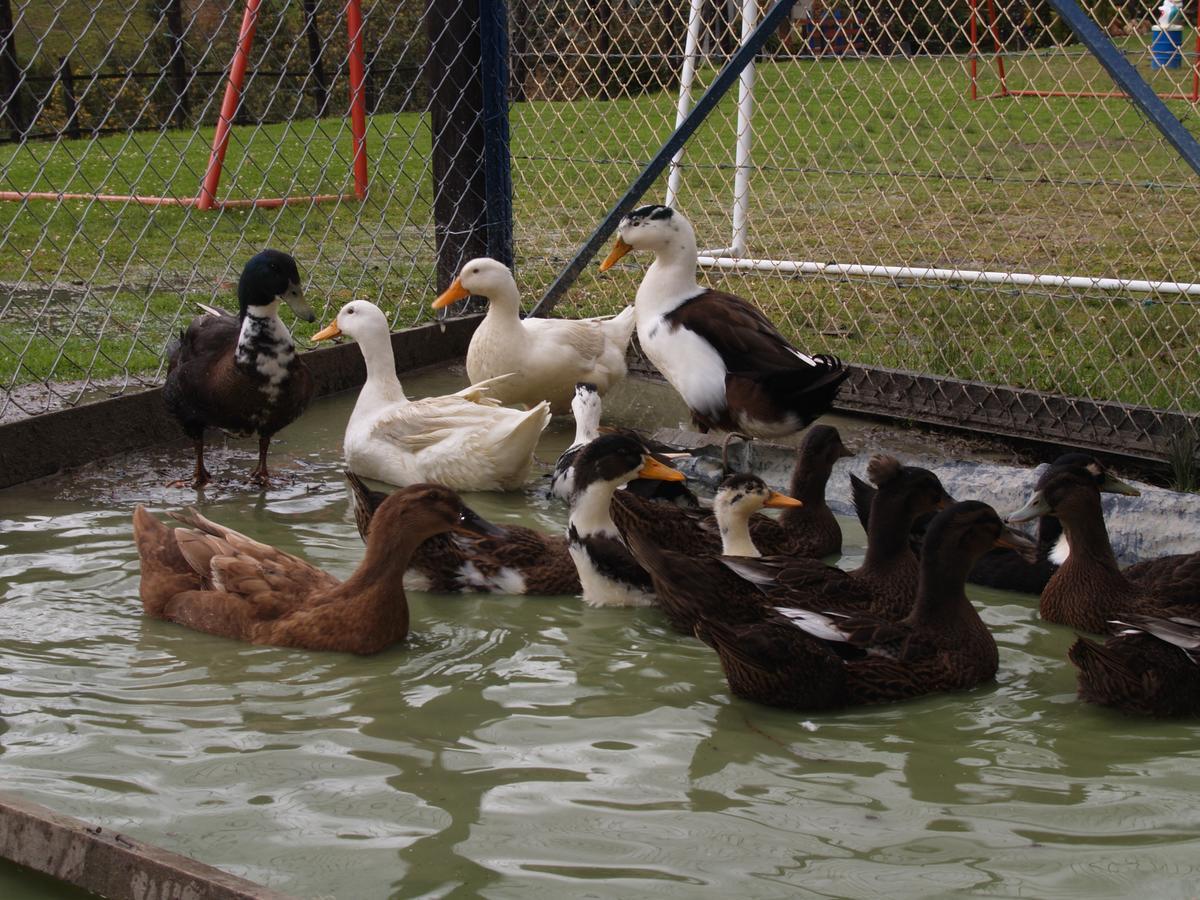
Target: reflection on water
531	747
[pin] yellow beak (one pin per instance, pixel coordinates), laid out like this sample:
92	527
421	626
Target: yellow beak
652	468
781	501
329	331
620	248
452	294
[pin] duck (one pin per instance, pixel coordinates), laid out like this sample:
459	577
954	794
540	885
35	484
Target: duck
732	367
546	357
1003	568
1150	666
688	582
464	441
608	573
586	407
803	659
807	528
213	579
509	559
1089	589
886	583
241	373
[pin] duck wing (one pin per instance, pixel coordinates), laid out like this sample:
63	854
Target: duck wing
803	582
665	524
1171	580
165	572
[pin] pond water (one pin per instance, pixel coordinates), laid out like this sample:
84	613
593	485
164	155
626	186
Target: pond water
534	747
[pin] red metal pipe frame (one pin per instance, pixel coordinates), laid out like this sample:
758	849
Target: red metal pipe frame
212	175
358	97
974	50
1004	91
233	92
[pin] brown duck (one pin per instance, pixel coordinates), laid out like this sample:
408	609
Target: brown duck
1149	667
1089	588
808	528
511	559
804	659
214	579
886	583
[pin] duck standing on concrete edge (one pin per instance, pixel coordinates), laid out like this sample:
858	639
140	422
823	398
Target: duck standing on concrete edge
241	373
732	367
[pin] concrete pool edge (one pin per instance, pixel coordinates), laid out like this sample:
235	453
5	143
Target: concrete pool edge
51	442
108	863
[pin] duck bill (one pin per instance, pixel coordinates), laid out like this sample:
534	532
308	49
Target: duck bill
329	332
294	297
1014	540
652	468
776	500
1037	506
473	523
620	248
1114	485
843	452
452	294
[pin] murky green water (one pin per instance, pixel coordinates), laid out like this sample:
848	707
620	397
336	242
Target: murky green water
534	747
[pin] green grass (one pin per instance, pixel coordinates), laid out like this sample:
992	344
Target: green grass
874	161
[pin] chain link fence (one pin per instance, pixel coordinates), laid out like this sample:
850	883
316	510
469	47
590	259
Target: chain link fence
937	186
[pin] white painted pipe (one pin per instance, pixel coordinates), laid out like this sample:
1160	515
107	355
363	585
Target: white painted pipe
686	78
745	137
919	273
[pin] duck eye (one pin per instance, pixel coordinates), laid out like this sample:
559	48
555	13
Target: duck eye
350	311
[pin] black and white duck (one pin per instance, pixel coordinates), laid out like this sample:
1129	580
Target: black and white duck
241	373
608	573
732	367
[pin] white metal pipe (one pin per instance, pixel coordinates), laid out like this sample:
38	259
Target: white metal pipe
745	137
686	78
919	273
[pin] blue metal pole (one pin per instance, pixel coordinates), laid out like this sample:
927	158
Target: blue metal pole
727	77
1128	80
497	157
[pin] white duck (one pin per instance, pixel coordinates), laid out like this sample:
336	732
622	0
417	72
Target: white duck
465	441
547	357
734	370
586	408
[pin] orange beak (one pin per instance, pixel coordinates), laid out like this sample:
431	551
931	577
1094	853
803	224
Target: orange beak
452	294
328	332
620	248
652	468
781	501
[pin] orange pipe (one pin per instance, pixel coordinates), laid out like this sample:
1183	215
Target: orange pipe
996	45
358	97
233	92
146	200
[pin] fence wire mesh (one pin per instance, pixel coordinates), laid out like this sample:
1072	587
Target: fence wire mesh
934	134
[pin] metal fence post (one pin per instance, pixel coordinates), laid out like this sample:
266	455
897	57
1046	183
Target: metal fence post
178	64
10	72
493	40
456	120
313	37
70	102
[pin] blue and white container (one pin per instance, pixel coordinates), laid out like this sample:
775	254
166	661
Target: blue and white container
1166	47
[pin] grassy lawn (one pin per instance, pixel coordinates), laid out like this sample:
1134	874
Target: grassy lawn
882	161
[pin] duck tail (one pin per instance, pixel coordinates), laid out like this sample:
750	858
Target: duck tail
619	328
1104	674
864	495
366	501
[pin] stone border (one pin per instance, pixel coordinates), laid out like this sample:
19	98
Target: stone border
108	863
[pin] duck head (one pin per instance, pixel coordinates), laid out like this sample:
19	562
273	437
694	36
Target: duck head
822	445
267	278
1070	492
659	229
482	277
356	319
1104	480
920	490
737	499
962	532
586	407
613	460
418	512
